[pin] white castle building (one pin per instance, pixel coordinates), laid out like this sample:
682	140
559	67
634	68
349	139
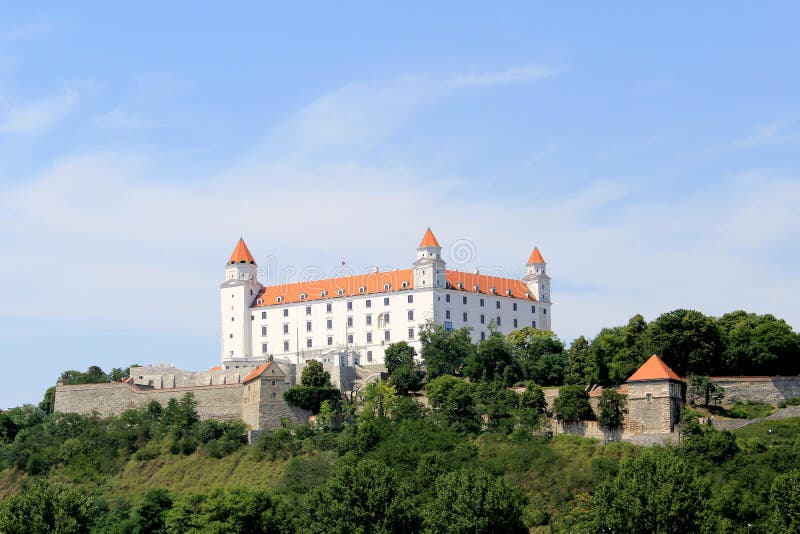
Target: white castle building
356	317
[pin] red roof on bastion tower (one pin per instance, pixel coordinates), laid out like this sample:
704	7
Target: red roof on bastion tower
429	240
241	254
536	256
654	369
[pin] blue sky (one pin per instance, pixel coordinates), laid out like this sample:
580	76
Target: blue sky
650	152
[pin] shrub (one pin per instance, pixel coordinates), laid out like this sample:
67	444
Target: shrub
750	409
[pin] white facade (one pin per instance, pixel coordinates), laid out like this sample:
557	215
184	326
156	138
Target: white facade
362	314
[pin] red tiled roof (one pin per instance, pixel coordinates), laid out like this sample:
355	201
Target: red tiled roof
255	373
429	240
241	254
376	283
654	369
216	368
536	256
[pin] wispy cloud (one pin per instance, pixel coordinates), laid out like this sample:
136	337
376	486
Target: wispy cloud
761	135
30	30
122	120
519	74
37	115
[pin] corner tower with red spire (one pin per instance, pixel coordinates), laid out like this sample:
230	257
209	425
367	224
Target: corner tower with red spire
237	293
536	279
429	267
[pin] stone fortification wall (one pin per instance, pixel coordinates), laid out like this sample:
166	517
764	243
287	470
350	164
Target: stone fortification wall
162	377
213	402
769	389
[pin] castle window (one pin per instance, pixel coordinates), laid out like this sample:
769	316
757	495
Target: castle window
482	303
259	302
368	303
465	317
533	309
263	330
498	304
533	324
329	307
362	289
386	287
330	340
515	323
308	326
386	318
263	315
330	324
349	305
340	291
405	284
514	306
369	320
303	296
411	299
386	301
285	346
648	396
350	321
323	293
285	328
460	285
308	310
410	315
387	335
264	348
493	290
447	314
410	333
369	337
230	336
498	320
350	338
280	299
447	298
369	356
273	383
483	319
308	343
476	287
483	336
544	311
274	394
285	311
464	300
508	292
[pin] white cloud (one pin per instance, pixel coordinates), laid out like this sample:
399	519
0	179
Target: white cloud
519	74
122	120
761	135
37	115
30	30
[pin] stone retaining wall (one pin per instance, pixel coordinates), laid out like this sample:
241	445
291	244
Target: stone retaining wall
769	389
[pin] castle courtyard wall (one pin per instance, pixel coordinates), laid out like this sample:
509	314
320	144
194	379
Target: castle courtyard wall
769	389
213	402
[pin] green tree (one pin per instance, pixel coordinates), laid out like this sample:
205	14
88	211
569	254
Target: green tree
532	405
784	498
572	405
654	492
399	354
367	497
229	510
311	398
759	344
149	517
687	341
315	376
580	367
539	354
445	352
612	407
403	372
43	508
491	359
452	399
633	351
499	404
48	402
378	399
704	387
473	501
93	375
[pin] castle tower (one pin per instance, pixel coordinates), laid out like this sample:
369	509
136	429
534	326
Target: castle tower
236	295
429	267
655	398
536	279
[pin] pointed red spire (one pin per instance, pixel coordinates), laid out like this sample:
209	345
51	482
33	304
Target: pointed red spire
429	240
241	254
536	256
654	369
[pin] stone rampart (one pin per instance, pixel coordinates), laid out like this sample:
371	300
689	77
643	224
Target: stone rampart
769	389
213	402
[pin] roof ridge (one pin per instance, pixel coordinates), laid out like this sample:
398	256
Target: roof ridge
654	369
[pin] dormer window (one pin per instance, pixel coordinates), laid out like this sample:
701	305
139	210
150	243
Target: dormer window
493	290
476	287
405	284
341	291
303	296
460	285
280	299
508	292
386	287
323	293
528	295
362	289
259	302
